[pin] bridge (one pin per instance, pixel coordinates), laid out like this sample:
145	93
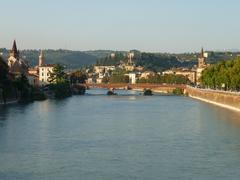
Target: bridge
140	86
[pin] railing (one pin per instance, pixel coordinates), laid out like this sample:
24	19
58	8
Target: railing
139	85
216	90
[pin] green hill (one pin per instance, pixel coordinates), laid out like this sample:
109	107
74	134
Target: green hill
151	61
71	59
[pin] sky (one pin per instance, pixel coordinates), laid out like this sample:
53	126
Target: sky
147	25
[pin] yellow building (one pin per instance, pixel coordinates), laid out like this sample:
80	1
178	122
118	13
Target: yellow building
190	74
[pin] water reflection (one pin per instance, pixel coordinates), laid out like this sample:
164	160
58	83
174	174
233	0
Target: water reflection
120	137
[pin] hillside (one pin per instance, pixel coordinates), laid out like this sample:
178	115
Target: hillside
151	61
71	59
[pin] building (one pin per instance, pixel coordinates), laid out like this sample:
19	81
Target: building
129	67
17	66
112	55
139	68
99	80
44	70
190	74
132	78
103	69
146	74
33	71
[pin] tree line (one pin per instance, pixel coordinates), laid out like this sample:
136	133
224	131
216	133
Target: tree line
167	78
61	84
224	75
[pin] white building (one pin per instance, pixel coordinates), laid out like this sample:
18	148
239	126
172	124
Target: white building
44	73
146	74
132	78
44	70
103	69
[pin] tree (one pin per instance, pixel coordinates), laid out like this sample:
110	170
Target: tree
22	85
224	75
78	77
58	75
3	78
60	84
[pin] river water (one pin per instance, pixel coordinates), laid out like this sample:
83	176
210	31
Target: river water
96	137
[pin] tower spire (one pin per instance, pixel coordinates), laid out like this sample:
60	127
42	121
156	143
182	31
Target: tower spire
41	59
14	51
202	53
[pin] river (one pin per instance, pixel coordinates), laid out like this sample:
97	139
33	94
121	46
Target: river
97	137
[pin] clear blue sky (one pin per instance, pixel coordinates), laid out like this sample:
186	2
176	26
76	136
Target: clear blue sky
147	25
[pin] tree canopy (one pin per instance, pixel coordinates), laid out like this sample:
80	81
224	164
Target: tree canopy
224	75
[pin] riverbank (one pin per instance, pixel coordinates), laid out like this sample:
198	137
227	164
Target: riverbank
9	102
226	100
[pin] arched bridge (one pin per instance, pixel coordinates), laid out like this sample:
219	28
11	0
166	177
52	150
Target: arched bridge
140	86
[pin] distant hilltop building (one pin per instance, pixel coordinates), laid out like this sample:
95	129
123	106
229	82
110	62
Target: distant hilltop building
16	65
112	55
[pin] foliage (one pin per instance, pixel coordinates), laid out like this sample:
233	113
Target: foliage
117	76
168	79
119	79
22	85
78	77
70	59
178	91
61	90
150	61
109	61
105	80
111	93
224	75
147	92
37	94
3	70
60	84
4	81
58	75
157	62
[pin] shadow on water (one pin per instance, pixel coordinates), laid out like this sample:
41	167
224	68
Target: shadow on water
6	110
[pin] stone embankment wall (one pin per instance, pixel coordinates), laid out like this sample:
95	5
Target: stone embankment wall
225	99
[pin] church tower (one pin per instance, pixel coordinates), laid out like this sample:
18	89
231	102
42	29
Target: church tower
41	59
201	60
14	52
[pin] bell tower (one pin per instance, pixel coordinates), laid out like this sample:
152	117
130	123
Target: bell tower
41	59
201	60
14	52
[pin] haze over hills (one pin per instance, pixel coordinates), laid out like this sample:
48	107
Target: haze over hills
71	59
155	61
